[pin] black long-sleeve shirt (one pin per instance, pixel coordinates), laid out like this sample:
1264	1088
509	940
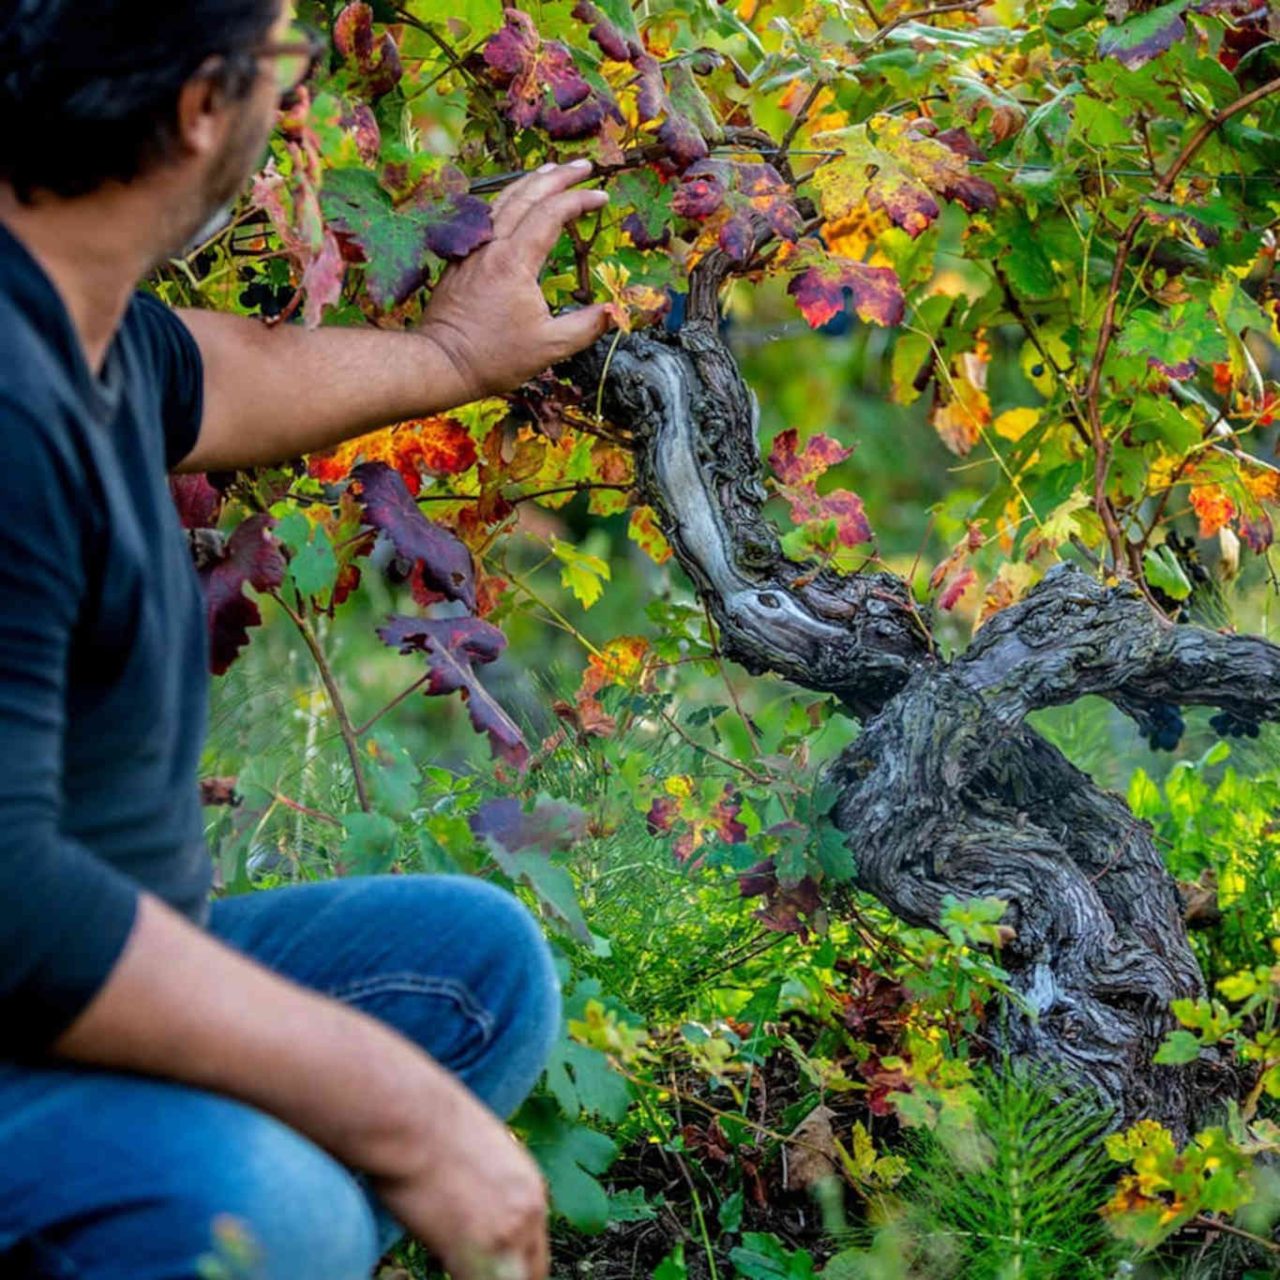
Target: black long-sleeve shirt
102	647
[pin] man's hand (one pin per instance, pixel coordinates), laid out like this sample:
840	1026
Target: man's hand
487	314
474	1198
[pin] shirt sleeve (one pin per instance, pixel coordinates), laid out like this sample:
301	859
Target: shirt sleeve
65	915
179	372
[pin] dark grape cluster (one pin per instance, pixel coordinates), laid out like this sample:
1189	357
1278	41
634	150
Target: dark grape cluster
1228	724
265	298
1163	726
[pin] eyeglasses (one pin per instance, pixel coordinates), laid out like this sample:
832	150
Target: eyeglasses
296	59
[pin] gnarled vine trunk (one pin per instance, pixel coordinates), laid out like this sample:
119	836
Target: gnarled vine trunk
947	791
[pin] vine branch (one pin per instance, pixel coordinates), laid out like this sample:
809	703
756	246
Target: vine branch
336	702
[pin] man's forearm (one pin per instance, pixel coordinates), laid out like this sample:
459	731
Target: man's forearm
277	393
182	1006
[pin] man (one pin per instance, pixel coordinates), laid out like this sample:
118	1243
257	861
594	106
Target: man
307	1067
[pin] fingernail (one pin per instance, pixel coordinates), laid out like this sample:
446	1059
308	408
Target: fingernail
580	163
546	168
598	197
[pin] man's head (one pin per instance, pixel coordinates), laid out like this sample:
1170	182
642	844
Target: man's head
101	92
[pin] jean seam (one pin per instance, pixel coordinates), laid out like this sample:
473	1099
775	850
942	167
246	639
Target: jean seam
420	984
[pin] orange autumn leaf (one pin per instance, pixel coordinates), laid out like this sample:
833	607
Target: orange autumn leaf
960	419
1213	506
1263	486
644	531
439	446
621	661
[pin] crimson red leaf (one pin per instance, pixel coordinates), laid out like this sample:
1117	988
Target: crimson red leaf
446	562
698	196
198	502
955	588
803	466
845	508
452	646
251	557
875	291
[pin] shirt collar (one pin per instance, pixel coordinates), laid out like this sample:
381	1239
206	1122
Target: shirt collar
25	283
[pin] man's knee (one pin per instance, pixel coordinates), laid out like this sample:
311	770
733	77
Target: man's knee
281	1209
253	1201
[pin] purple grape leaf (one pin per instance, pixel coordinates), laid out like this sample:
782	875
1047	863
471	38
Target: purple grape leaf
611	42
649	223
197	501
397	244
375	64
252	557
452	647
875	291
388	506
544	87
748	192
548	827
522	842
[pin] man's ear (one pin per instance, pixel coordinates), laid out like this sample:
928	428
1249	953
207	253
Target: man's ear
202	110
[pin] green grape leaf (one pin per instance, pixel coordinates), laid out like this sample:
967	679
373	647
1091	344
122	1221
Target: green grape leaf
400	243
1178	1048
570	1156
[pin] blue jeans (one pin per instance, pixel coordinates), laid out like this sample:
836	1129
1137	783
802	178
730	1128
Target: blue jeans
107	1176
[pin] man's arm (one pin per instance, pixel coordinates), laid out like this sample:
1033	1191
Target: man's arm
179	1004
272	394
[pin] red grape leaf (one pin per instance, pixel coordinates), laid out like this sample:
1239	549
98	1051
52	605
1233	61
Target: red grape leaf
794	907
446	563
452	646
875	291
544	87
250	557
683	140
840	506
375	63
397	244
956	586
804	466
198	502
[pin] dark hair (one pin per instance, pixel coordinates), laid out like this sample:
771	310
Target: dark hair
89	88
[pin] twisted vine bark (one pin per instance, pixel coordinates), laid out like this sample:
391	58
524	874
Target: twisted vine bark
948	792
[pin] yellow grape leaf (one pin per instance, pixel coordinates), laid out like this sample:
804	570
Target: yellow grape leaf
1013	424
894	166
584	574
